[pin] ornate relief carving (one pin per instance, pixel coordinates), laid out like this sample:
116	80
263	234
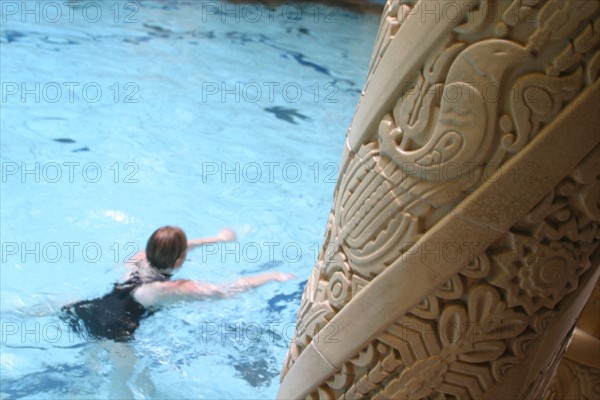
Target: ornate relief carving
484	321
394	14
535	274
558	20
538	98
537	386
371	229
477	100
574	381
453	122
578	374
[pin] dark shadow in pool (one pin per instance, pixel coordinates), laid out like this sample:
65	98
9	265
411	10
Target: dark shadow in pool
70	141
363	6
258	373
286	114
158	31
280	302
12	36
64	140
57	378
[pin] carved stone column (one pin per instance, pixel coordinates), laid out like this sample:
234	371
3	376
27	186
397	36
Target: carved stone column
578	374
463	240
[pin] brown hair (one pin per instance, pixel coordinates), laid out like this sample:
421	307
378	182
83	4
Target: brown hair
165	246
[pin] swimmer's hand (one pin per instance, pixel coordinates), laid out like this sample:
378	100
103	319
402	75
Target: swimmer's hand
227	235
244	283
282	276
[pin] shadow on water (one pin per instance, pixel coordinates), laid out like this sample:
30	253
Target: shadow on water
258	372
286	114
282	301
361	6
56	378
262	267
70	141
253	361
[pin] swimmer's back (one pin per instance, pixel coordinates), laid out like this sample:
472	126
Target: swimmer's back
117	314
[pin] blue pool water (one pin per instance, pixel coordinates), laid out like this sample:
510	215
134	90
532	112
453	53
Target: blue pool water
118	117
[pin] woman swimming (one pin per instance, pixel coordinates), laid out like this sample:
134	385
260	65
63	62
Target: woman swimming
148	285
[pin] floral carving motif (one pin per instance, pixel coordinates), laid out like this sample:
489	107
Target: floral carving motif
535	275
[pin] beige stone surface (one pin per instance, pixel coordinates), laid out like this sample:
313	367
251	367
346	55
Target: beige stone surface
463	240
578	374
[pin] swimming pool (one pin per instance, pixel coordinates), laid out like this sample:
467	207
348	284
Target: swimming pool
118	117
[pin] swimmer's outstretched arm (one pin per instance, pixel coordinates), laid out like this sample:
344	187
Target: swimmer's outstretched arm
245	283
225	235
158	293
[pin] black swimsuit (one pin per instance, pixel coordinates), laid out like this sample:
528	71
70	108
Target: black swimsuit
114	316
